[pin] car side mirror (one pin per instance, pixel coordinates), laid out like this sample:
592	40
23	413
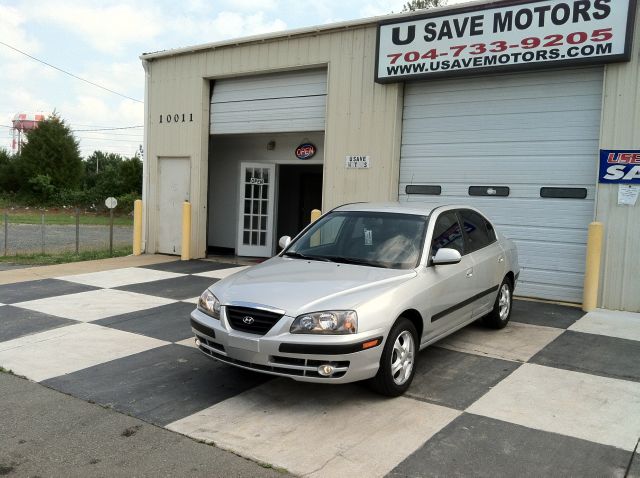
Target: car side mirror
446	256
284	241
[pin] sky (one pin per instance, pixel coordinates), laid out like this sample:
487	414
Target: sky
101	41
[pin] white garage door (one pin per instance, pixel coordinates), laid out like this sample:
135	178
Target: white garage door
277	102
514	146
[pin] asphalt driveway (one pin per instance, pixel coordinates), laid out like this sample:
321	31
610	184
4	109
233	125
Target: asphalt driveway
556	393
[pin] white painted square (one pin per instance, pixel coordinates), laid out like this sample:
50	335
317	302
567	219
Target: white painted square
221	273
95	304
517	342
68	349
599	409
190	342
319	430
623	325
120	277
193	300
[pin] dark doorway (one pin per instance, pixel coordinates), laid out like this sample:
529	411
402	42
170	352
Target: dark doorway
299	192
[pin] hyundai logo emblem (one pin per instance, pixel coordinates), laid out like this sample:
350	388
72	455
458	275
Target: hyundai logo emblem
248	320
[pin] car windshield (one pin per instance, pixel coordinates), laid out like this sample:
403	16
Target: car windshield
376	239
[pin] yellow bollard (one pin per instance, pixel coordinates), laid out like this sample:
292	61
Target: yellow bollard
592	269
186	231
137	227
315	239
315	215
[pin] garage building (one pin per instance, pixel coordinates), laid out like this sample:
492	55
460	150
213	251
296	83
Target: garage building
505	106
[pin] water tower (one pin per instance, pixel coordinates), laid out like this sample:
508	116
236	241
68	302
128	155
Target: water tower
23	122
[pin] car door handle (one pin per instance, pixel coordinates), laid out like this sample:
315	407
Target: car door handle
470	273
501	259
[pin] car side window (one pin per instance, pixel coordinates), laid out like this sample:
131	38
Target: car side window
491	232
447	233
475	230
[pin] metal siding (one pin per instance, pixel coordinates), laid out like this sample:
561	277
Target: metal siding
619	284
368	123
524	131
279	102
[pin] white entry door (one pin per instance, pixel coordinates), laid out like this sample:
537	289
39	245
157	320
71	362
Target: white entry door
174	184
255	224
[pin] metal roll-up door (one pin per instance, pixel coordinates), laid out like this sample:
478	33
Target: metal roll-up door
521	147
279	102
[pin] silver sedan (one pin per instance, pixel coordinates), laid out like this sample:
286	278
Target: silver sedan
359	292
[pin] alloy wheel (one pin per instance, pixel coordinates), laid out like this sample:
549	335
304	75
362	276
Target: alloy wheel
402	357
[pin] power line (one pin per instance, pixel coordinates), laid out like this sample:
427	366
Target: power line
70	74
109	139
107	129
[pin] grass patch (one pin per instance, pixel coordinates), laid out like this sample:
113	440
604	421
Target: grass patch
5	370
65	257
63	218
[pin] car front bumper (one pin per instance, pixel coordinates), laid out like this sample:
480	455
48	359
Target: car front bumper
297	356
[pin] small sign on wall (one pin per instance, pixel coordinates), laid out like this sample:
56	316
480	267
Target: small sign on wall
628	194
358	162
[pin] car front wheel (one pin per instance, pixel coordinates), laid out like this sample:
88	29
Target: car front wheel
397	364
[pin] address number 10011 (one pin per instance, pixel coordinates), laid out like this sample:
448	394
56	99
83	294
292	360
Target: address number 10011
177	118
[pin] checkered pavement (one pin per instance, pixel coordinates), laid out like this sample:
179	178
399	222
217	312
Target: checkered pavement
556	393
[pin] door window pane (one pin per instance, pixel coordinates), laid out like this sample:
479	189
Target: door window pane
475	230
447	233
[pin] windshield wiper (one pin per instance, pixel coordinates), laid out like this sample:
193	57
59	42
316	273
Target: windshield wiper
298	255
351	260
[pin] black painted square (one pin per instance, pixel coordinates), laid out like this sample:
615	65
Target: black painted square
39	289
594	354
17	322
477	446
456	379
160	385
167	322
178	288
190	267
544	313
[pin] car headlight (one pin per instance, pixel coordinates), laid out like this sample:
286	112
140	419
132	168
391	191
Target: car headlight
338	322
209	304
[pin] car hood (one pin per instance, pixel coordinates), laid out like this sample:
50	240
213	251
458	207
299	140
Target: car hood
298	286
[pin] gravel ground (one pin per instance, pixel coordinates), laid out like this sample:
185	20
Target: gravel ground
27	238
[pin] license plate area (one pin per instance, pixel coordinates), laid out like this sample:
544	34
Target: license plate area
244	343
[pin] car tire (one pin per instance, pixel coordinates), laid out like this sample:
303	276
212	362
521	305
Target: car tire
398	361
499	317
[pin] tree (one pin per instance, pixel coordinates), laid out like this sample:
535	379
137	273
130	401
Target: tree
414	5
51	152
131	175
9	177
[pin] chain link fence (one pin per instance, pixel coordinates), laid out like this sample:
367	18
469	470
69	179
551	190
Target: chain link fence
62	232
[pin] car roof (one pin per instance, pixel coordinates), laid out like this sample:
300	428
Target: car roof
421	209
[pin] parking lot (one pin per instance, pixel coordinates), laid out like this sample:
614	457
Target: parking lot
556	393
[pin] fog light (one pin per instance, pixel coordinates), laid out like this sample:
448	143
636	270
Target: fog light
326	370
197	342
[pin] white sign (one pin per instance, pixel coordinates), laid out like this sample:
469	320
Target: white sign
628	194
515	35
111	202
358	162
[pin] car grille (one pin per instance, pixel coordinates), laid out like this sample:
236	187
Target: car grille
262	320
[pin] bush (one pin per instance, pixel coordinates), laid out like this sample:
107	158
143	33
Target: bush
41	187
125	202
